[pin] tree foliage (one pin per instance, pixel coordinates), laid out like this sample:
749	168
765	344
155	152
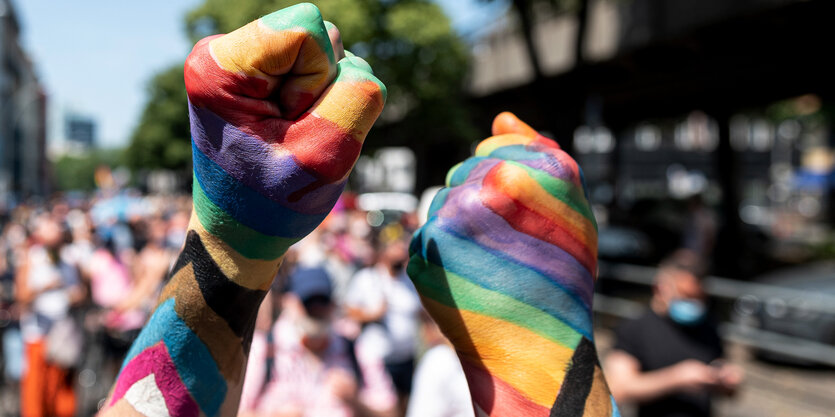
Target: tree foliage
409	43
161	140
76	172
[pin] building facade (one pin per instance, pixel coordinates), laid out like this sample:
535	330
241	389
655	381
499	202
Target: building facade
23	164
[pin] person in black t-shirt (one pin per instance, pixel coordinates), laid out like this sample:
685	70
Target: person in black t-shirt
669	360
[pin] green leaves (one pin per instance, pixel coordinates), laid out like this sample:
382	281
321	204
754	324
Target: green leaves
162	138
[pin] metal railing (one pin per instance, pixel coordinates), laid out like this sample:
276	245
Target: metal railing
790	346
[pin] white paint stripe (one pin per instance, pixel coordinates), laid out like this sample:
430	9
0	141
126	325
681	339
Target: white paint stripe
146	398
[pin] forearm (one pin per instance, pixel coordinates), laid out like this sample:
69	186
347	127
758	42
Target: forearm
645	386
276	124
196	342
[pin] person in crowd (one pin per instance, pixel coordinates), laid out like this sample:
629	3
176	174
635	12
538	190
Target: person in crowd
46	287
383	300
439	388
669	360
111	287
303	368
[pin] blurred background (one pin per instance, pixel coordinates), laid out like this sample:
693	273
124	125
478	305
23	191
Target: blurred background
705	125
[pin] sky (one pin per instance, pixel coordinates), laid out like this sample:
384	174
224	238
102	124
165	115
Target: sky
95	57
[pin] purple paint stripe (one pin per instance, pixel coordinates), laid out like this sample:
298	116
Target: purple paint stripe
464	214
478	173
255	163
547	163
156	360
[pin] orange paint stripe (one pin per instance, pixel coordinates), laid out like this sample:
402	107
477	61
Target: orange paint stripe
494	397
514	182
507	122
526	361
345	101
251	50
527	221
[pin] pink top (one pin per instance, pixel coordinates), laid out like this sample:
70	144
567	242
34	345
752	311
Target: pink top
300	382
110	283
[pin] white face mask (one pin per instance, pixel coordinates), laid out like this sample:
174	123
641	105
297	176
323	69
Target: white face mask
315	334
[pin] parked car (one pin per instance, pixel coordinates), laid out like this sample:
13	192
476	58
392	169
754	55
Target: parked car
797	301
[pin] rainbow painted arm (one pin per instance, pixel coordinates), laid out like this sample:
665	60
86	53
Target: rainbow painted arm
506	266
278	117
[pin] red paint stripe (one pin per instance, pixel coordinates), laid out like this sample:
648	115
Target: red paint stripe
319	145
527	221
496	397
156	360
237	98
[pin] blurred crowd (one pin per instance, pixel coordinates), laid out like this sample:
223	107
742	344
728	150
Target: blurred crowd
79	278
338	335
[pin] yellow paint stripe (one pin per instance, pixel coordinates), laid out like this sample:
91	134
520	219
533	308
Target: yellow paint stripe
345	102
526	361
255	274
253	50
494	142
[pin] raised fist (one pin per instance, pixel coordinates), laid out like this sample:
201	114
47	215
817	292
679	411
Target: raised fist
506	265
278	118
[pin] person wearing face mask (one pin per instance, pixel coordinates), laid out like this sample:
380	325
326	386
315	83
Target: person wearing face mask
384	301
669	360
310	374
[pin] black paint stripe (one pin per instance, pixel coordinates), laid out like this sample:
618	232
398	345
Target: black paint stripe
571	401
236	304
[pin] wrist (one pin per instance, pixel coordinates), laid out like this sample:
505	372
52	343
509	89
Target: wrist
229	253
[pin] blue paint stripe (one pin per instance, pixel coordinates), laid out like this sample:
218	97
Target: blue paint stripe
463	171
615	411
554	276
194	362
246	205
481	267
438	202
517	153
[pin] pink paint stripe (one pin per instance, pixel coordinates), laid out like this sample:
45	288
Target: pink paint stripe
156	360
496	397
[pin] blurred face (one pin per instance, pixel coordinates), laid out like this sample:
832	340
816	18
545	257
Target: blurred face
157	230
316	323
395	256
48	232
678	285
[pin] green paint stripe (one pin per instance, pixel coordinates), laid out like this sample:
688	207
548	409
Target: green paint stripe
306	17
247	242
349	71
564	191
457	292
451	172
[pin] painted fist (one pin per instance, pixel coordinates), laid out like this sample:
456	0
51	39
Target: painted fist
506	265
278	117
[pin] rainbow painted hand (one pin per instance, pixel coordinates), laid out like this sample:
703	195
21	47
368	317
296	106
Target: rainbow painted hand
506	265
278	118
